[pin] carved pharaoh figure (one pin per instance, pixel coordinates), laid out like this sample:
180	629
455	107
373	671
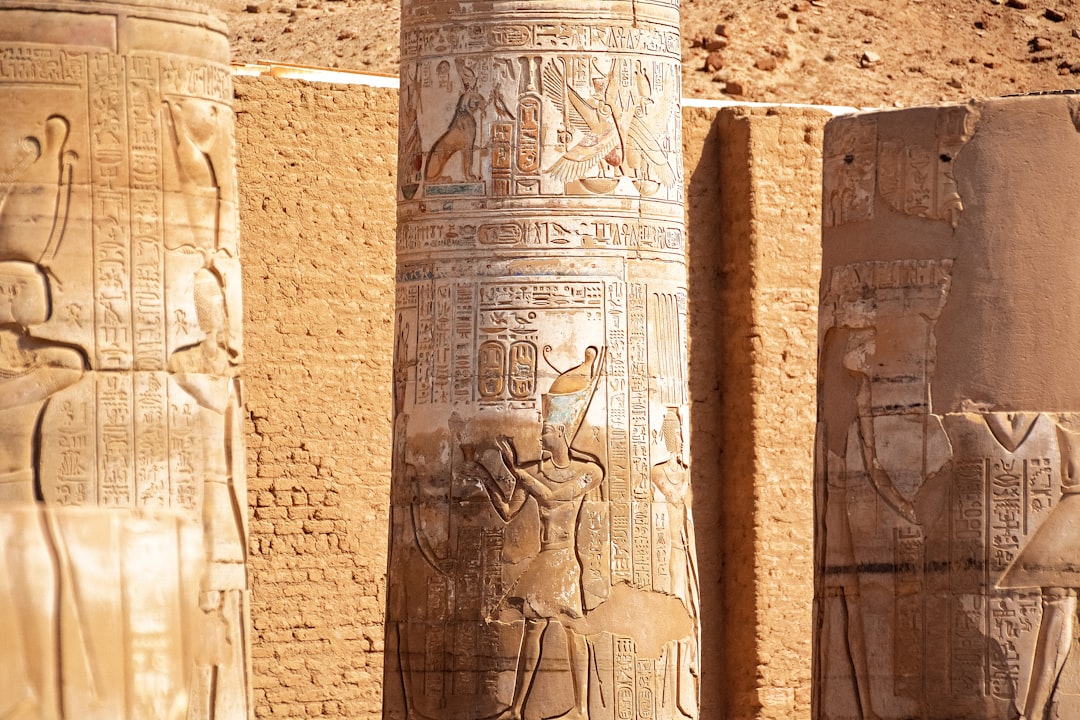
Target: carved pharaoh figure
549	590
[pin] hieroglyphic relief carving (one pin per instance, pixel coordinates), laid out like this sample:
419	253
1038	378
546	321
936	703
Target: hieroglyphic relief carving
878	325
542	115
945	554
120	316
541	405
851	165
918	178
945	583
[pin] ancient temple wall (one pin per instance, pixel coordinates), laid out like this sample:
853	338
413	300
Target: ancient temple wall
770	260
316	165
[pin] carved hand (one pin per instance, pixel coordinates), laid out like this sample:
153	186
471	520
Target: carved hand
509	452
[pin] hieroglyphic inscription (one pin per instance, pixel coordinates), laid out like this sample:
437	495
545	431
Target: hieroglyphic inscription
209	81
618	372
907	653
144	138
112	241
152	482
464	319
588	37
539	200
115	442
850	170
584	232
77	458
967	615
22	64
919	178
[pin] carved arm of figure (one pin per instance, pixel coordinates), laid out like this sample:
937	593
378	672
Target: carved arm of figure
589	477
210	391
55	369
506	507
878	477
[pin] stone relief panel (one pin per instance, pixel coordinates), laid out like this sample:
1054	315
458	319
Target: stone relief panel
540	480
120	304
918	179
850	165
542	539
867	159
946	580
538	109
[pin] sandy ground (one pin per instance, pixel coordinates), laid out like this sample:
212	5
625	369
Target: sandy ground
867	53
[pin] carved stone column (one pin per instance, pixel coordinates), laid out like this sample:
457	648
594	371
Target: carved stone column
949	414
542	552
119	309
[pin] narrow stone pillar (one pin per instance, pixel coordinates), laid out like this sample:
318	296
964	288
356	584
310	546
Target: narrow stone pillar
765	354
949	414
541	549
119	323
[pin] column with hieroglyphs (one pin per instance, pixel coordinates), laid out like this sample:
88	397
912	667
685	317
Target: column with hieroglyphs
542	547
119	358
949	414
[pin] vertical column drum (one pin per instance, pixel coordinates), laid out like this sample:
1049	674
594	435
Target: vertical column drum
949	413
542	552
120	312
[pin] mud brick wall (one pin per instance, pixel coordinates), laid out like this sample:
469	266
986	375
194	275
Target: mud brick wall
769	232
316	167
316	171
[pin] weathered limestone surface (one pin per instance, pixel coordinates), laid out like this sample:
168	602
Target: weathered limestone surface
316	165
542	547
120	323
98	611
948	422
769	228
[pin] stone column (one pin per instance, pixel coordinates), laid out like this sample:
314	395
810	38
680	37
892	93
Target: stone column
541	544
119	319
949	414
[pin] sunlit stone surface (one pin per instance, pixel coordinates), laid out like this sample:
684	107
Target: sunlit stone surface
542	552
119	312
949	414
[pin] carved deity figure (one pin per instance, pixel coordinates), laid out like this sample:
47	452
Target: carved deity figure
599	149
618	129
549	590
31	370
207	371
460	136
671	479
879	456
1048	562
